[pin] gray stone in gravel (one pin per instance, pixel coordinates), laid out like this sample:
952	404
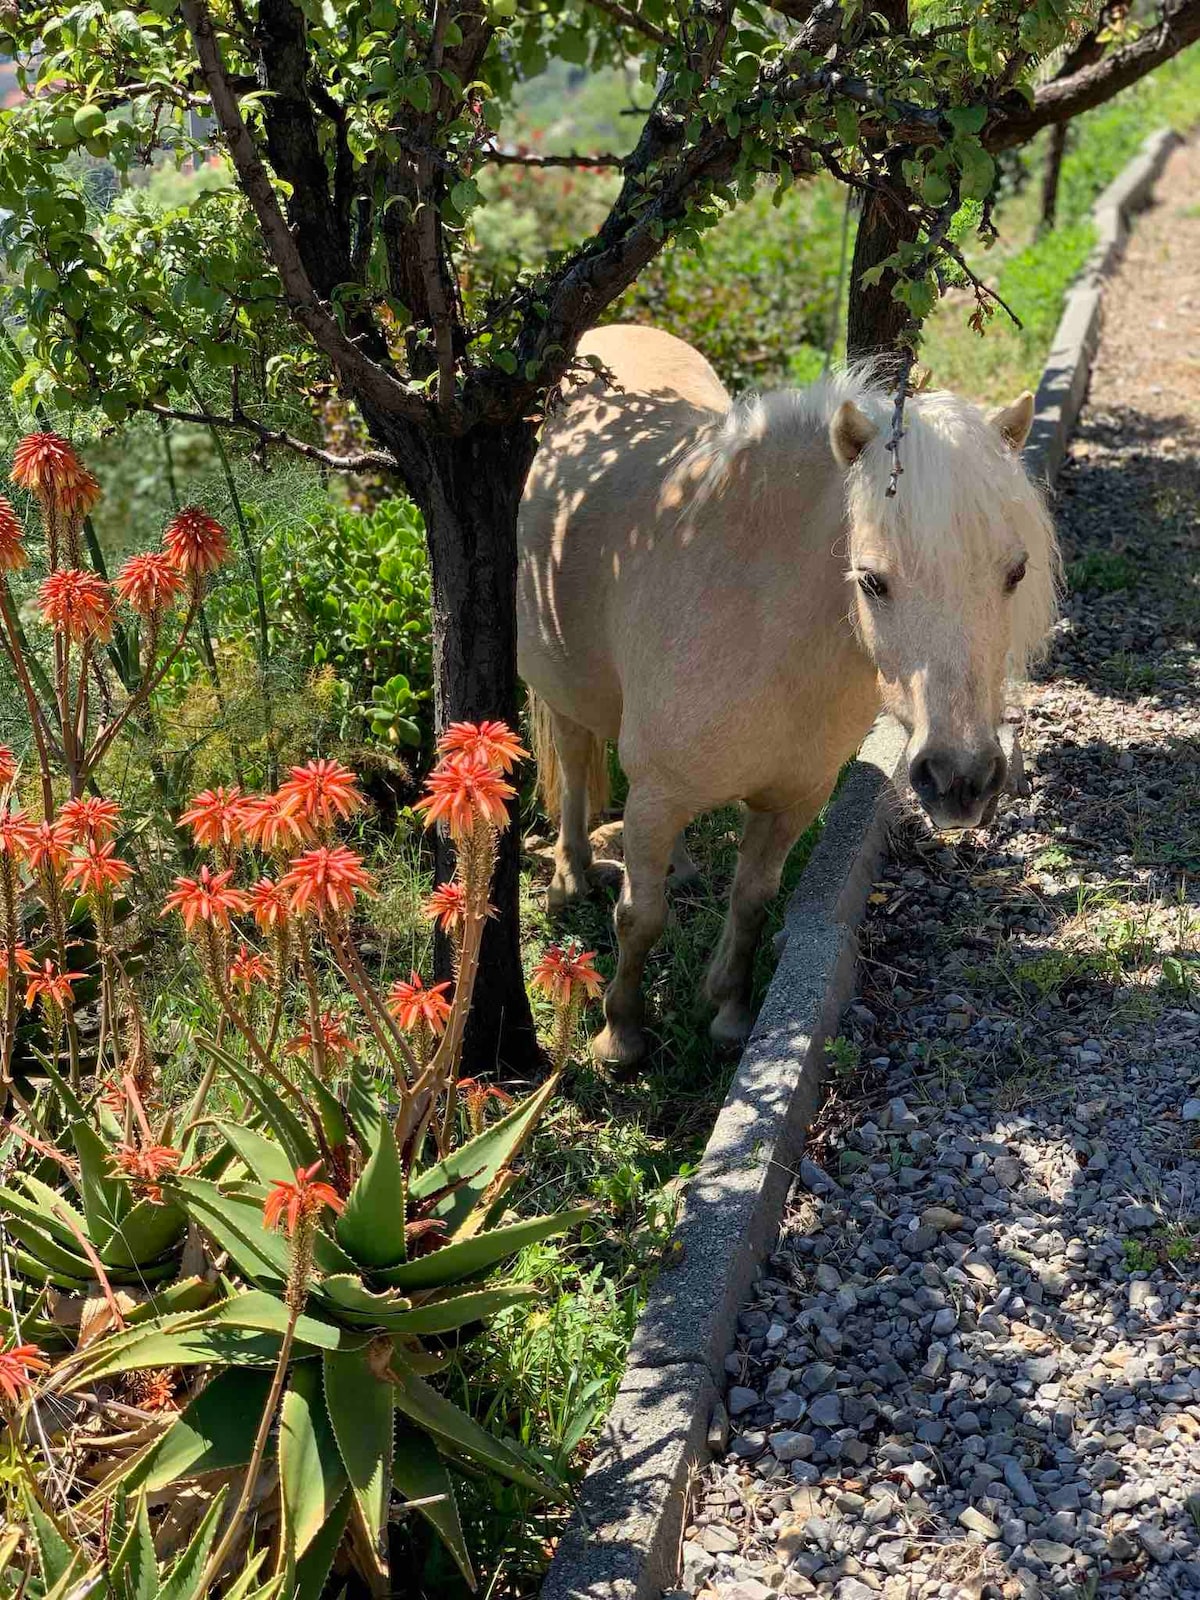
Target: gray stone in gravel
742	1399
749	1446
919	1240
1139	1217
826	1411
1191	1111
1014	1477
819	1377
975	1522
1007	1171
1051	1551
1065	1499
816	1180
946	1320
790	1408
1156	1544
854	1589
718	1541
791	1446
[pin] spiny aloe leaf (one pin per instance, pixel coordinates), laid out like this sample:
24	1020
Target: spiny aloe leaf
55	1555
146	1232
333	1118
37	1272
455	1311
371	1228
180	1582
236	1222
463	1436
266	1160
280	1118
365	1107
106	1200
187	1294
457	1184
348	1293
363	1418
242	1586
50	1208
313	1567
312	1476
420	1474
213	1433
41	1243
472	1257
134	1569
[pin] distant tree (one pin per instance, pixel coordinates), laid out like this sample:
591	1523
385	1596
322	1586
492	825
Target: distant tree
356	132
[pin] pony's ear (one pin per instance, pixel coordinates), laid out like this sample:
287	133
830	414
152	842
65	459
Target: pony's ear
850	433
1015	421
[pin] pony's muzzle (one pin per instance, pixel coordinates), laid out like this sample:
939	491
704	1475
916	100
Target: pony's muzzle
958	788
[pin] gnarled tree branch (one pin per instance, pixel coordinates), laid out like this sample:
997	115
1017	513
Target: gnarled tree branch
360	461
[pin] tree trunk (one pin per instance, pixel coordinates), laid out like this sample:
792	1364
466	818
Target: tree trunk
874	321
1054	160
469	490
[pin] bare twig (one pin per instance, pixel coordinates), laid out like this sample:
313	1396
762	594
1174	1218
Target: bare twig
516	158
360	461
628	18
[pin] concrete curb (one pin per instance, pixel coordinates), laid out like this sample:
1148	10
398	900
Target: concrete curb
1068	366
624	1542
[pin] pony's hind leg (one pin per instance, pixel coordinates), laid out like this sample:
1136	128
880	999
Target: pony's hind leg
575	746
651	827
766	840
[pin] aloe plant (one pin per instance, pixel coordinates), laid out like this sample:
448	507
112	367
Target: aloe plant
130	1569
410	1257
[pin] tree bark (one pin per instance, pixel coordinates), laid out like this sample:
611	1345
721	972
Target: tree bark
469	490
874	321
1050	176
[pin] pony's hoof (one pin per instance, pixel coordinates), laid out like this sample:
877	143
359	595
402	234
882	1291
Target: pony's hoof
619	1047
731	1026
565	889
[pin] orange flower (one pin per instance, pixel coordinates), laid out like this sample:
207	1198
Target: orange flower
25	960
195	542
564	970
477	1095
495	741
326	880
17	1365
334	1039
207	898
13	554
322	791
98	870
17	834
217	816
92	820
447	906
269	902
412	1004
46	465
77	603
464	790
51	985
300	1200
273	823
51	846
149	583
145	1164
152	1389
247	969
8	766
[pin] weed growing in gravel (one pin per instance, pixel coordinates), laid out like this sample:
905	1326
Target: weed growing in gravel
1102	572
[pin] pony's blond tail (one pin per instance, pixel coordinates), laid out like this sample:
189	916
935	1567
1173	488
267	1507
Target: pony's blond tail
549	767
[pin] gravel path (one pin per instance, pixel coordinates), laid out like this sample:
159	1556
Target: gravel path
973	1368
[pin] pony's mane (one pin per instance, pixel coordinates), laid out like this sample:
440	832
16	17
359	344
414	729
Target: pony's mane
963	494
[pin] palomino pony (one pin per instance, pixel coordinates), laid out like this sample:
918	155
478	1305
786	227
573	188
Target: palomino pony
727	591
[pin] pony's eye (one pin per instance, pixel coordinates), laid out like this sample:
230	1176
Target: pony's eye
872	584
1015	574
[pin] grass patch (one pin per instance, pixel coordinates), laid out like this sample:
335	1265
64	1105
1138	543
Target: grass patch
1102	572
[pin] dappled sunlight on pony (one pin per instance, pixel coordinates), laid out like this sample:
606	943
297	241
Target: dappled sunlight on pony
728	591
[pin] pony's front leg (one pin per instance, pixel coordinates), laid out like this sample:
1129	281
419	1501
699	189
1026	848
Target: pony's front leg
766	840
651	827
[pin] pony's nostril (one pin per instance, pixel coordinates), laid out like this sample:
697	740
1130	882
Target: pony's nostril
932	775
